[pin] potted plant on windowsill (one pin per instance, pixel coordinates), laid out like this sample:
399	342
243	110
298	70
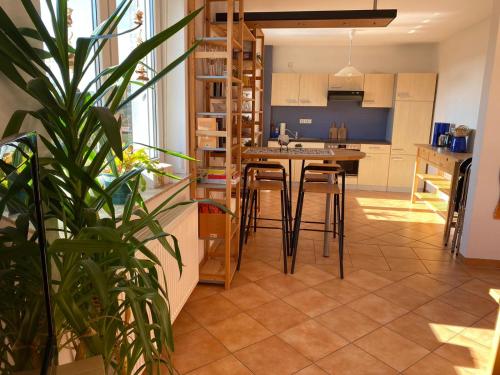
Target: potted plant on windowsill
106	289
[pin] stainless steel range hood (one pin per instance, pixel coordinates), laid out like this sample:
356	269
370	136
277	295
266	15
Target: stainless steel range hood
353	96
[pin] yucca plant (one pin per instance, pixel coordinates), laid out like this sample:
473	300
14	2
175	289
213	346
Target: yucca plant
105	281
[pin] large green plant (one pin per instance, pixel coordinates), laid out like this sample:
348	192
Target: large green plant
106	282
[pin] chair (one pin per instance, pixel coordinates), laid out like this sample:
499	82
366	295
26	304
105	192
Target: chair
460	203
323	179
251	186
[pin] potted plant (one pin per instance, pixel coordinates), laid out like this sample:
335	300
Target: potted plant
106	289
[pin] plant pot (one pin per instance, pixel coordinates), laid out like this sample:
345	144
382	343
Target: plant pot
120	196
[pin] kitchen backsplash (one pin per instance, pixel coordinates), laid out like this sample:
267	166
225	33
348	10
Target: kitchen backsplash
362	123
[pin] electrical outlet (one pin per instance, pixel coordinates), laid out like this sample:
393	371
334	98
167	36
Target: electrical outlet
305	121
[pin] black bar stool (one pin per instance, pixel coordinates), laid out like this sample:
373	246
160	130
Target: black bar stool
251	186
323	179
461	203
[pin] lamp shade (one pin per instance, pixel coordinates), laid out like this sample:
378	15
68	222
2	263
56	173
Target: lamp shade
348	71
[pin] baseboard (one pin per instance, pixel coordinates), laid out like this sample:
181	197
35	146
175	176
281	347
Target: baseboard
477	262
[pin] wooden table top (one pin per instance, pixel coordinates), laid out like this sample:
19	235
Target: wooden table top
295	153
459	156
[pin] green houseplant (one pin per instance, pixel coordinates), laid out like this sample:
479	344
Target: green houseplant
106	288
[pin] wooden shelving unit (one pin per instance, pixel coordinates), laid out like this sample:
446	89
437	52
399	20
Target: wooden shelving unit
215	98
253	87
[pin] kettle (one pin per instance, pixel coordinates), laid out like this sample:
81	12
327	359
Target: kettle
443	140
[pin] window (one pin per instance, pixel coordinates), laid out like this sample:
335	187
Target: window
139	118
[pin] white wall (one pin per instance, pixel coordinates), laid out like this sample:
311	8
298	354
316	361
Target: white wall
481	238
369	59
461	65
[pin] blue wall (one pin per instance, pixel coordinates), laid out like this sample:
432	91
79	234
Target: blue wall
362	123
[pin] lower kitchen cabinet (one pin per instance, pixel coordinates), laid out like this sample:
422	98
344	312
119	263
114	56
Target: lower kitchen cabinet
373	172
401	169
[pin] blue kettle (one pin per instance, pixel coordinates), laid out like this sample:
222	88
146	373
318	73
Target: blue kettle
458	144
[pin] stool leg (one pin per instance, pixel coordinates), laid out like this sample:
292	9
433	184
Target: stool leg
251	211
284	233
335	203
341	229
287	216
255	213
298	215
244	203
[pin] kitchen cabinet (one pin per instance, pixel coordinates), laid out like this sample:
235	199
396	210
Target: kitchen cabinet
373	171
345	83
401	169
379	91
416	86
313	90
412	124
285	91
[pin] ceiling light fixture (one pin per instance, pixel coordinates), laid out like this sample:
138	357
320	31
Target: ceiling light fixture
349	70
426	20
412	31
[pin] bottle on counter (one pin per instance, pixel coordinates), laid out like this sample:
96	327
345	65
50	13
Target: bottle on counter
333	133
273	131
342	132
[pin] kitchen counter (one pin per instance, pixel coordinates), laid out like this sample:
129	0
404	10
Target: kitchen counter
346	141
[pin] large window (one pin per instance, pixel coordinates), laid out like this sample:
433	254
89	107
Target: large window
139	118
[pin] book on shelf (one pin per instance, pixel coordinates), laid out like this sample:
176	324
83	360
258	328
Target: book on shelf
217	175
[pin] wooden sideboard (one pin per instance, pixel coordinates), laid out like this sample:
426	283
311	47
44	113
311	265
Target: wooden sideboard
443	181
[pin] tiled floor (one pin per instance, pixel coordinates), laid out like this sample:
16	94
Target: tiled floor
404	306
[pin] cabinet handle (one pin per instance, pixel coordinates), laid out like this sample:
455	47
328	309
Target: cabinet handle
291	100
369	100
305	101
403	94
397	159
398	149
374	147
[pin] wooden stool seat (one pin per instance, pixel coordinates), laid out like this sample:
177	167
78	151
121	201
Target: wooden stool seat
270	176
316	178
266	185
322	188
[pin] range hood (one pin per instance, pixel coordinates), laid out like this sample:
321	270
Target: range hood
353	96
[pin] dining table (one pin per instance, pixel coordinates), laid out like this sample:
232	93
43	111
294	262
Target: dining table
326	155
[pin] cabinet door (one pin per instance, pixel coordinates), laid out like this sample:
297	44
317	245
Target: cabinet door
345	83
373	170
379	91
285	91
313	90
401	170
416	86
412	125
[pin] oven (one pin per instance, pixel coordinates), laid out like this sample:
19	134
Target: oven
351	167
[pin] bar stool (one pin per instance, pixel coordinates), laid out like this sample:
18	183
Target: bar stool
323	179
250	189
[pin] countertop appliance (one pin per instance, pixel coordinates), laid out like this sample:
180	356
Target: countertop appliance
351	167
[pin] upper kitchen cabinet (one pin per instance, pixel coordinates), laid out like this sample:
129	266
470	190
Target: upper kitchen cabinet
379	91
345	83
412	124
416	86
313	90
285	91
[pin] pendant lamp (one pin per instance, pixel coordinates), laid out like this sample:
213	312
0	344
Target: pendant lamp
349	70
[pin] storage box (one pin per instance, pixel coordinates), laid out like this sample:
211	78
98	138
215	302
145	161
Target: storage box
207	123
211	221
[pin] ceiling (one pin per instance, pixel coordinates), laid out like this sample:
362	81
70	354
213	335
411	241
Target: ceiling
418	21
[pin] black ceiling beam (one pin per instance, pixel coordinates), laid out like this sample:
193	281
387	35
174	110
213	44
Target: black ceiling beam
316	19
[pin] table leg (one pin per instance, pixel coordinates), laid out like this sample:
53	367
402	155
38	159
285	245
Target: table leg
328	223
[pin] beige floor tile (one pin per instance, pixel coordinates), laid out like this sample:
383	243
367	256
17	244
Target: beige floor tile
377	308
367	280
281	285
311	302
423	331
312	340
406	265
341	291
446	267
347	322
465	353
441	313
393	275
432	254
248	296
277	316
369	262
225	366
202	291
477	287
256	270
361	249
432	365
398	252
239	280
469	302
311	370
272	357
426	285
184	323
394	239
482	332
391	348
311	275
351	360
211	309
412	233
195	349
238	331
403	296
453	280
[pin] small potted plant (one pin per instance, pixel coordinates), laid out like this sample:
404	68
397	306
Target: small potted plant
132	159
